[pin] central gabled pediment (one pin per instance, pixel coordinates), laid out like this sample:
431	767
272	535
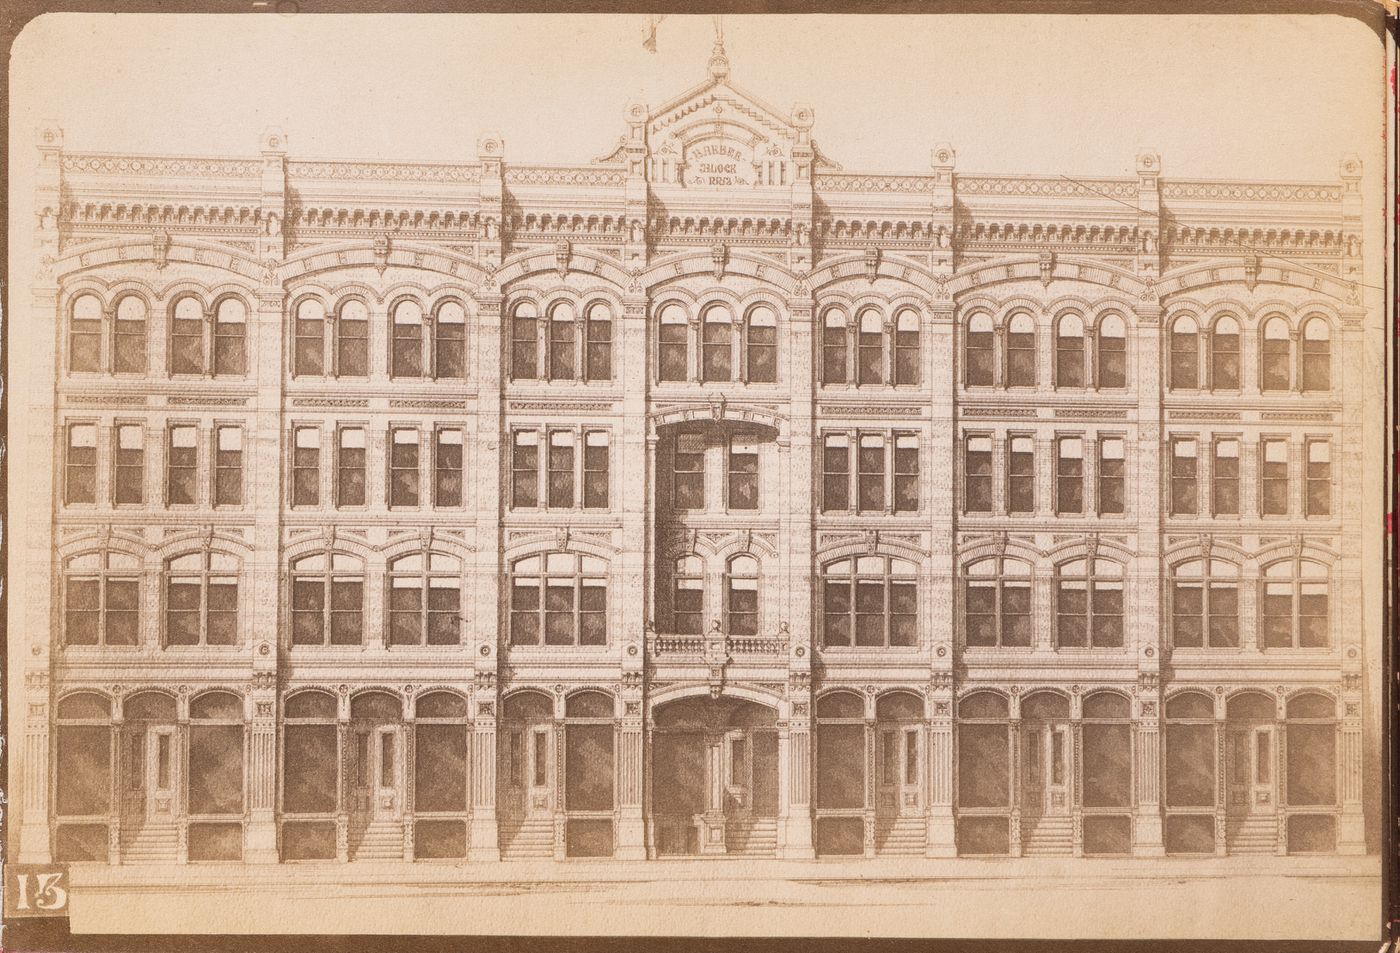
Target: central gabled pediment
718	136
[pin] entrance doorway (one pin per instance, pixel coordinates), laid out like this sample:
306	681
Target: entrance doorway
714	778
900	804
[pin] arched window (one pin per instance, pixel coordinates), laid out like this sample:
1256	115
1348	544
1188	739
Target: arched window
1107	772
309	348
129	336
1225	354
1185	354
870	601
1205	604
906	347
673	344
1188	778
688	596
442	752
984	774
525	342
1276	356
598	366
717	344
1311	770
560	596
589	774
328	596
741	596
834	340
1293	611
201	599
1315	356
352	340
563	342
216	777
870	347
761	359
1069	351
1089	604
82	777
406	356
425	600
231	338
1020	351
450	341
310	776
841	773
1113	351
187	336
85	334
978	351
101	599
997	602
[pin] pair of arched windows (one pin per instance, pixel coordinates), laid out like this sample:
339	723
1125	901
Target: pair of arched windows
201	340
717	348
562	344
424	599
1084	356
998	603
1208	357
870	349
740	588
1293	604
102	599
422	344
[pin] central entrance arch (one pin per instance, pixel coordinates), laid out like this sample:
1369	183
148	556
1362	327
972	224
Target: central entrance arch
714	778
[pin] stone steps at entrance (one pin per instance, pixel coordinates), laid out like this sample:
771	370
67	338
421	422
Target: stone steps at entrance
905	836
150	843
378	840
1047	836
1251	834
527	839
756	837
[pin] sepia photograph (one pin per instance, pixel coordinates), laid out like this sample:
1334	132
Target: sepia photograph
698	475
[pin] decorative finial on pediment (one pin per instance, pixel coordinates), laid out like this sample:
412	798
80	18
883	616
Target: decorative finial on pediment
719	61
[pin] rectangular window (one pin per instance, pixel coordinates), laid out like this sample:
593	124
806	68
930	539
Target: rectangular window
129	467
870	349
561	469
1225	478
595	469
977	475
906	473
228	466
350	467
906	348
525	469
352	341
1188	613
407	329
1112	493
80	464
1318	486
85	335
743	473
1069	475
524	345
182	466
230	338
1184	484
673	350
836	473
834	348
1020	475
870	474
688	475
306	466
450	342
1273	478
447	468
129	337
403	467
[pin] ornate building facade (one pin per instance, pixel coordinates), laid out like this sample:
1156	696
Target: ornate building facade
705	499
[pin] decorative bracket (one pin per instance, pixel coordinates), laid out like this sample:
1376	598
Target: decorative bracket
719	254
872	264
1047	268
381	253
1251	271
563	251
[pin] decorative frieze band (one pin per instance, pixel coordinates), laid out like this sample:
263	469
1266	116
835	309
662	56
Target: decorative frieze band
1027	412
